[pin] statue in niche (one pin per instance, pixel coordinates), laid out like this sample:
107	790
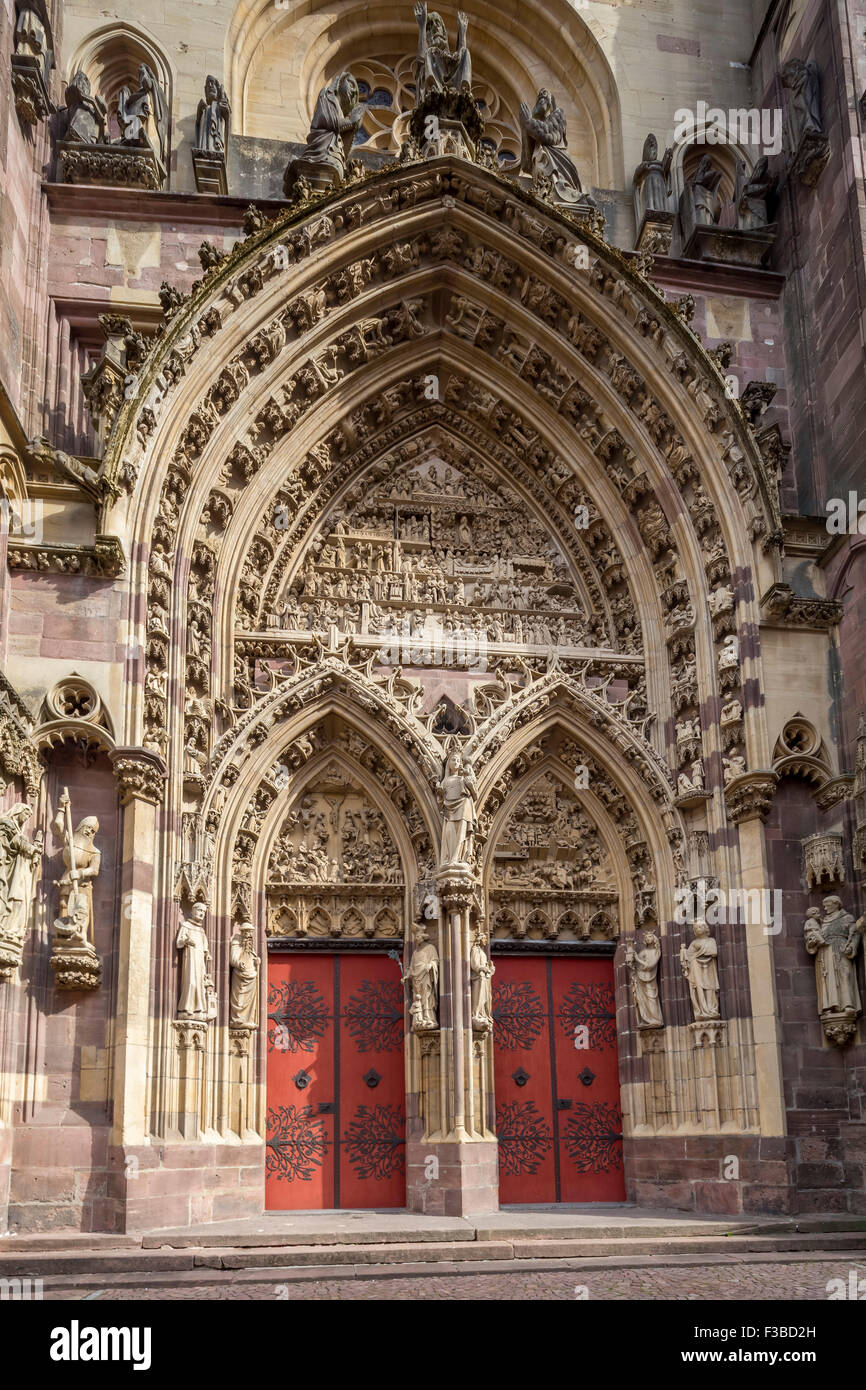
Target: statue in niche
85	114
244	996
82	862
733	767
19	860
423	977
325	158
643	969
803	81
700	200
212	118
436	67
458	791
543	146
195	961
143	114
481	971
834	941
650	183
752	194
698	961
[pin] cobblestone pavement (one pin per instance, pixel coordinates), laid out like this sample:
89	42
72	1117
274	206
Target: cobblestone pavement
733	1279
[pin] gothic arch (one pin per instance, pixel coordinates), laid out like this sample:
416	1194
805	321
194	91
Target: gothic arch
110	56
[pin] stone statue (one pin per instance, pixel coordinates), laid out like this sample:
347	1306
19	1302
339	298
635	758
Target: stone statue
244	996
834	941
458	791
195	964
82	862
643	969
733	767
19	860
752	194
143	115
698	961
481	971
436	67
423	977
325	158
543	146
650	184
85	114
30	35
701	196
803	81
212	118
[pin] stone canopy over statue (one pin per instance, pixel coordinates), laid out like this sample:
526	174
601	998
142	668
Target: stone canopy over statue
324	162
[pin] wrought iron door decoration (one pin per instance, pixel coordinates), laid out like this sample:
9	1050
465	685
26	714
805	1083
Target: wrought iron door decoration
518	1014
296	1143
593	1137
591	1006
298	1015
524	1137
374	1016
375	1141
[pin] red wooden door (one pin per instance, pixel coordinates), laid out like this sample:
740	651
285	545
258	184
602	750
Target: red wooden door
558	1115
335	1124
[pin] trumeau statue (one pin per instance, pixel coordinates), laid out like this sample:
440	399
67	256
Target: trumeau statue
192	942
834	941
423	977
643	969
82	862
19	860
143	115
458	791
436	67
543	146
85	114
244	996
212	118
481	971
698	961
325	158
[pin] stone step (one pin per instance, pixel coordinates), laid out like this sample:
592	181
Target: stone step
93	1263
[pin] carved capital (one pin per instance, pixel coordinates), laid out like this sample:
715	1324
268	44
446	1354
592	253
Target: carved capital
709	1034
239	1041
140	775
839	1026
11	952
428	1043
651	1040
76	967
456	886
191	1034
751	796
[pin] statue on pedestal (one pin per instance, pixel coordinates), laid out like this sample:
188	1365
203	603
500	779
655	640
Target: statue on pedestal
643	969
698	961
74	959
834	941
19	861
85	114
324	160
212	118
752	194
700	198
423	977
458	791
650	183
481	971
244	996
543	146
192	943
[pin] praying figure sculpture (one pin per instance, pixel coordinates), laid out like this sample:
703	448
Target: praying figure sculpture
195	959
143	115
212	118
698	961
543	146
458	792
325	158
643	969
436	68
